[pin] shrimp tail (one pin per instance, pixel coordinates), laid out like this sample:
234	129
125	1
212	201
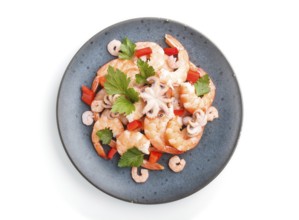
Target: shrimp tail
166	149
171	150
152	166
95	83
172	42
100	150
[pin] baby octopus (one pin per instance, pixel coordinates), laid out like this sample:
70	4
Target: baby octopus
155	98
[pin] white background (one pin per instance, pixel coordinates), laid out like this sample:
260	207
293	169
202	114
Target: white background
39	38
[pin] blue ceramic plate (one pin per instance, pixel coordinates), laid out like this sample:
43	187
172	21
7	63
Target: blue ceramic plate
204	163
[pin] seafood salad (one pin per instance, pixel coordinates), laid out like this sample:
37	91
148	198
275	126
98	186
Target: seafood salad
147	102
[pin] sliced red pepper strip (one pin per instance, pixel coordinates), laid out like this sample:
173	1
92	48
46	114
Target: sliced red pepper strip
155	156
134	125
193	76
171	51
87	99
179	112
143	52
87	90
111	153
87	95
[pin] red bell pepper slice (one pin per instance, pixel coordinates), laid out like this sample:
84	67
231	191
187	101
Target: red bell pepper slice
86	90
134	125
179	112
171	51
154	156
111	153
143	52
193	76
87	95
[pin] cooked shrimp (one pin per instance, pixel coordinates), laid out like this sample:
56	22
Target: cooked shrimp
172	42
212	113
113	47
191	101
176	164
100	94
139	178
123	65
97	103
87	118
154	130
152	166
123	119
168	63
137	114
126	66
96	116
102	71
103	122
97	106
193	67
156	59
172	62
180	74
129	139
179	138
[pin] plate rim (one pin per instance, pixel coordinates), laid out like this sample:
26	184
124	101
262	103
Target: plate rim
239	127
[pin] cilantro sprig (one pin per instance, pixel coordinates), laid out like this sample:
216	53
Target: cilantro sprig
202	85
118	83
105	135
145	72
122	105
127	49
131	158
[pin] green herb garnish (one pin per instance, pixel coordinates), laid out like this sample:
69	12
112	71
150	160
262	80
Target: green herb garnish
123	105
131	158
127	49
105	135
118	83
145	72
202	85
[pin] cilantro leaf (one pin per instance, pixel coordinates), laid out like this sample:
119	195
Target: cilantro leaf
123	105
131	158
202	85
105	135
140	79
116	82
145	72
127	49
132	95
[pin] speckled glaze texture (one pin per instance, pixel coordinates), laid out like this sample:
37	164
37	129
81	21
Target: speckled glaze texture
204	163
